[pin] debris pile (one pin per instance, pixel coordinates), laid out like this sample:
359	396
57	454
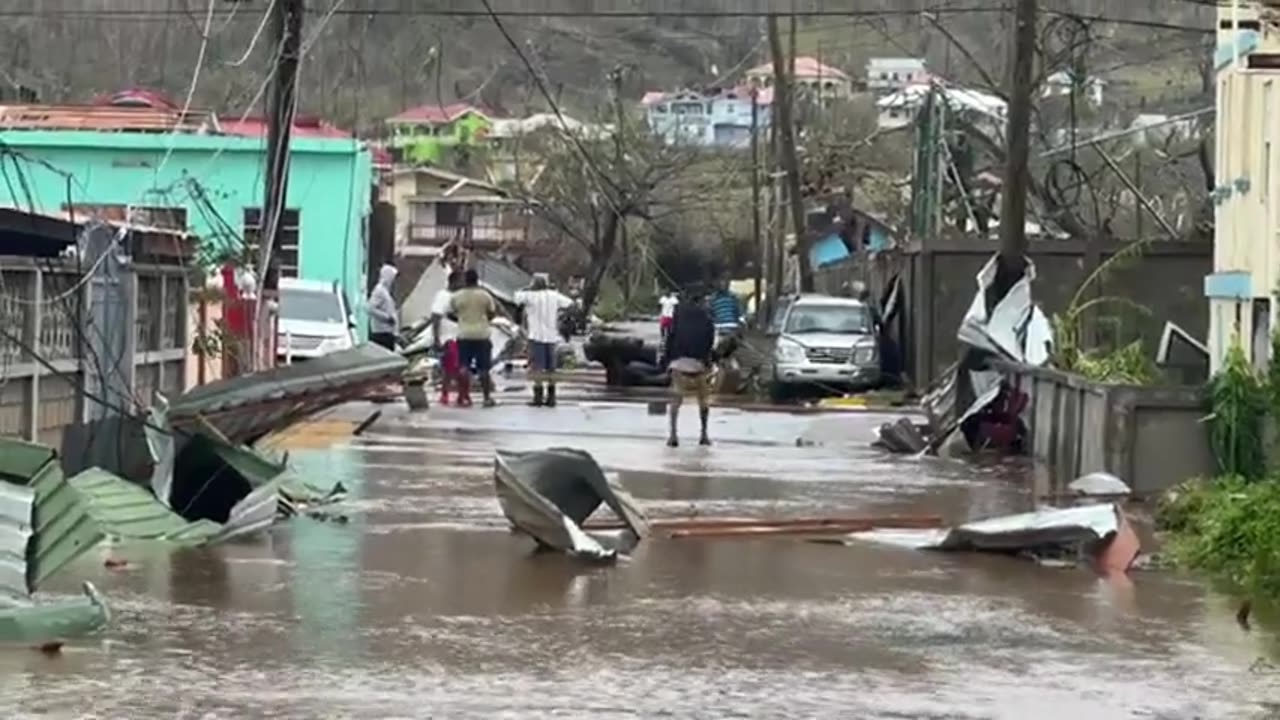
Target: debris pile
973	399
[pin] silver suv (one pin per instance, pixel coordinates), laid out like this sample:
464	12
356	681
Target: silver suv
825	342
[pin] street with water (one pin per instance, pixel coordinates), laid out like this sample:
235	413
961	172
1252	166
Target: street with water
415	600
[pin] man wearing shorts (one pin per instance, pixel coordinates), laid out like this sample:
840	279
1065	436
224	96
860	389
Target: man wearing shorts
542	305
666	311
474	308
688	355
446	337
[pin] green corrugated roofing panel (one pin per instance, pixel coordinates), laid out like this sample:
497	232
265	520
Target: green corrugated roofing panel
61	528
35	625
126	510
20	461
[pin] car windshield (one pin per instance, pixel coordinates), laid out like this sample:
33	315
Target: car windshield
843	319
311	306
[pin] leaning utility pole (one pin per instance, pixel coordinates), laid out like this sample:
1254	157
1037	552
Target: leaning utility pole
1013	206
782	102
755	206
286	32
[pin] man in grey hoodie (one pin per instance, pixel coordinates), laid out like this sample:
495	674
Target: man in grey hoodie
384	317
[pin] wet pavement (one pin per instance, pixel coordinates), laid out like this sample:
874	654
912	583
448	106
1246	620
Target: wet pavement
424	605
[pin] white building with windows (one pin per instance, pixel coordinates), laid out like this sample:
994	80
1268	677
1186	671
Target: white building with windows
890	74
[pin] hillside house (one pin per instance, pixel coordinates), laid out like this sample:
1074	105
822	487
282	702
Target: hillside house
720	118
424	134
984	111
434	208
1062	83
888	74
811	77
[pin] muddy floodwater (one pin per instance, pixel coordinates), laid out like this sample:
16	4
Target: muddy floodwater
424	605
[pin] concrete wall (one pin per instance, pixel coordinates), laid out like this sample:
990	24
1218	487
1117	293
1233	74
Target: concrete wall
939	283
1151	437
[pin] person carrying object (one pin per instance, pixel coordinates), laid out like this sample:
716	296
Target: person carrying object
384	317
541	305
475	309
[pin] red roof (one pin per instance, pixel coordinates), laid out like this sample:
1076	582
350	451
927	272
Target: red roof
303	126
436	113
103	117
137	97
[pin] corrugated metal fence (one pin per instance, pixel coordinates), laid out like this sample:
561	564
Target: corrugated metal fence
44	302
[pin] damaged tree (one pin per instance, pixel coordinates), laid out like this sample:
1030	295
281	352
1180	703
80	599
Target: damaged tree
1013	211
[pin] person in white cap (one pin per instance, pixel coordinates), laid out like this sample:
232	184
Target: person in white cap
541	305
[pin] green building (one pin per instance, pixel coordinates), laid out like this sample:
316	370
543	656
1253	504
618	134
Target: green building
201	178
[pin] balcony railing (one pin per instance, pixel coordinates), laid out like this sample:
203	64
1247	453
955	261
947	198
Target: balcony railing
479	235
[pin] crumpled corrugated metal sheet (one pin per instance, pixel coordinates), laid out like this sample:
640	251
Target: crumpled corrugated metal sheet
126	510
245	408
59	526
17	507
548	494
49	622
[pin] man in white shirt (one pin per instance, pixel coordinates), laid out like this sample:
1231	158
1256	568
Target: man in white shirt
541	305
666	312
445	334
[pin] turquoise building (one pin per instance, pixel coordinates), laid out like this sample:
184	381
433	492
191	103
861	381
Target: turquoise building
212	183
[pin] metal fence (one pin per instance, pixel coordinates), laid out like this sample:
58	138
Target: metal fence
47	304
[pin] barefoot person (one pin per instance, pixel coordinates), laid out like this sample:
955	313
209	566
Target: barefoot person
542	305
688	355
475	309
445	337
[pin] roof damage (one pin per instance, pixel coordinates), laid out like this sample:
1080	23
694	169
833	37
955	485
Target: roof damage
549	494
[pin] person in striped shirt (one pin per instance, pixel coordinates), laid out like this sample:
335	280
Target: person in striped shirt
725	308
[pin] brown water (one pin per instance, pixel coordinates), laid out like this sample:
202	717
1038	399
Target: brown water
424	605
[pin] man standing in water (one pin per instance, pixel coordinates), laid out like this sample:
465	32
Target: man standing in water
474	308
688	355
384	317
542	305
445	334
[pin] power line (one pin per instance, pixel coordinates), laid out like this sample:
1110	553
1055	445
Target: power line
162	15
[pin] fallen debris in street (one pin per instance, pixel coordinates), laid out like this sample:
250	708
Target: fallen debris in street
1099	484
901	437
761	527
43	527
1100	533
549	494
972	398
245	408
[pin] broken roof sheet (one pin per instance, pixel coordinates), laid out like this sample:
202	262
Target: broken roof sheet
127	510
245	408
57	528
548	494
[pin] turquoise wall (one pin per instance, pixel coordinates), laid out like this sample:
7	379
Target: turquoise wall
329	183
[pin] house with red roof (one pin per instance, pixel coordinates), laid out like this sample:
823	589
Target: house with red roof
426	133
816	78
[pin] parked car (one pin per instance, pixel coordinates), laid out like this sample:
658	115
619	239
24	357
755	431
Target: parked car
314	320
823	342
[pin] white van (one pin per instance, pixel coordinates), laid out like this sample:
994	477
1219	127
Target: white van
314	320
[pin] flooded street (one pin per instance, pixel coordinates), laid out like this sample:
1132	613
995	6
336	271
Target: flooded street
425	605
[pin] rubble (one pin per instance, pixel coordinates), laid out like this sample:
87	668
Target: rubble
549	494
1100	533
972	397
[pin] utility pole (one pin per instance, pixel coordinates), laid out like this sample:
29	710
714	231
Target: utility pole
755	206
783	99
286	31
615	78
1013	209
